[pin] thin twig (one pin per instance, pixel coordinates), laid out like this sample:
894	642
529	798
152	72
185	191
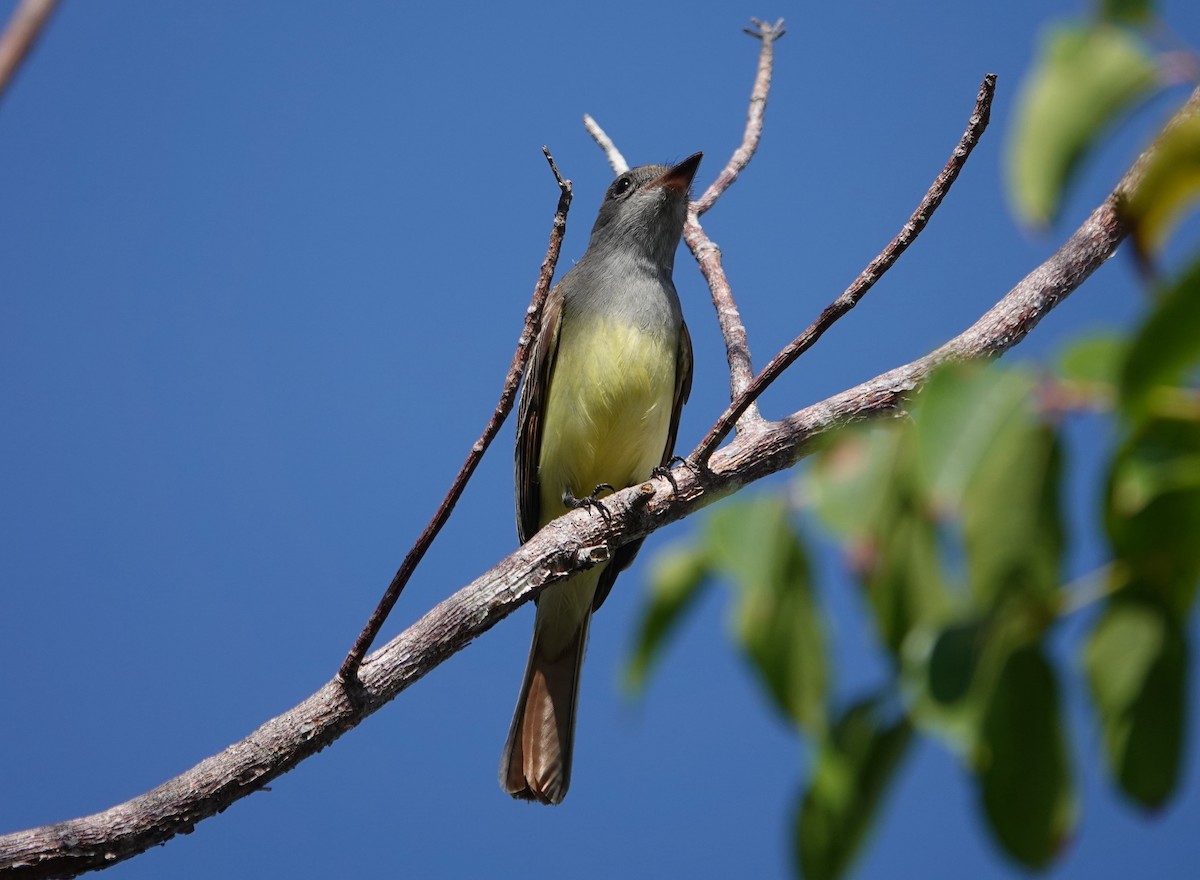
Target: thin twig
24	27
866	279
733	331
615	160
705	251
562	547
768	34
533	320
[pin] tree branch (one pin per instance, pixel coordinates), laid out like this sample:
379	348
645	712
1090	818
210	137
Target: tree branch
749	390
767	34
571	543
615	160
23	30
705	251
533	320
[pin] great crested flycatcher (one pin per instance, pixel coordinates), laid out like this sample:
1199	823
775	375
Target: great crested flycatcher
599	410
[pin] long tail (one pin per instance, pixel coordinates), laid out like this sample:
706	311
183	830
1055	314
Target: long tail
536	763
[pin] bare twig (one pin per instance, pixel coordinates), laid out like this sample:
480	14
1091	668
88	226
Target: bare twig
533	320
705	250
866	279
768	34
733	331
22	32
615	160
568	544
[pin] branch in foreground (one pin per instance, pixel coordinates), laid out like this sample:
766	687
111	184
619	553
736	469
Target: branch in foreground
533	320
850	297
23	30
571	543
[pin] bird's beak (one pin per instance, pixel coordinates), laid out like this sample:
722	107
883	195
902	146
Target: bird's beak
680	177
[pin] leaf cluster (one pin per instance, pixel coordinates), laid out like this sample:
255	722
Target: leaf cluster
951	521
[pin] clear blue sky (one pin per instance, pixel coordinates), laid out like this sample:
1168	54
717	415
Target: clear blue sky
262	267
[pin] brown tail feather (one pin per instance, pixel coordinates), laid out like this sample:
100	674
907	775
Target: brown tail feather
536	763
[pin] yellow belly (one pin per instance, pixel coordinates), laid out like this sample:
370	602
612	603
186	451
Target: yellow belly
607	415
608	410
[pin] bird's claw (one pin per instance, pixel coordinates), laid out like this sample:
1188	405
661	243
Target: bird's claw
591	502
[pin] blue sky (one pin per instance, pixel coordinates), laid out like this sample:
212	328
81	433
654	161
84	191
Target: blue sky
262	267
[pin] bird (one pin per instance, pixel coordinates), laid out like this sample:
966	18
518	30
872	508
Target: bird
608	374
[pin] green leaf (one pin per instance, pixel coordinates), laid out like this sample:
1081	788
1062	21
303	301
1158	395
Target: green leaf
1153	512
846	483
1126	11
904	583
954	660
1094	360
1165	347
960	416
1084	80
855	764
676	582
1022	767
949	678
1137	667
778	621
1012	523
1170	185
981	451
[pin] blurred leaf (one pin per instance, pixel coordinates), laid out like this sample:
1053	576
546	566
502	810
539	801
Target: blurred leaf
1022	766
862	486
949	678
1094	360
676	582
1165	346
1137	666
1085	78
982	451
1012	522
954	660
1128	11
904	581
959	417
1153	512
854	767
778	621
1170	185
847	481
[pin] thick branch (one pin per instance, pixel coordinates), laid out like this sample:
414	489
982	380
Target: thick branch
571	543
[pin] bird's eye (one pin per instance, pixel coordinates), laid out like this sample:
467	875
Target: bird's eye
622	186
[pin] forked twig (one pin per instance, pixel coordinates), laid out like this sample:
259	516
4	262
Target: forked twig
533	320
767	34
179	804
705	251
866	279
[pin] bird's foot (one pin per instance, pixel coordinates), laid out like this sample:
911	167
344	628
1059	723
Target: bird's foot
591	502
664	470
